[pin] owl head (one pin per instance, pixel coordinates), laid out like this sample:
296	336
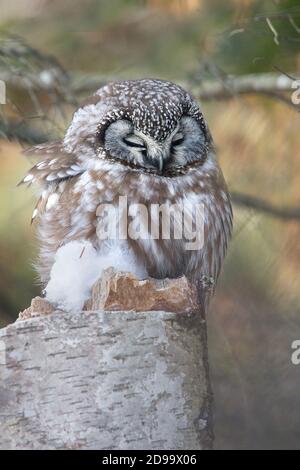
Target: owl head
152	126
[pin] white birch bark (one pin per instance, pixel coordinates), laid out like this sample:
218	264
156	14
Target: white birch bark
105	380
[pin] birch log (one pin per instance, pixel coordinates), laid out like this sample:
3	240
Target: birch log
105	380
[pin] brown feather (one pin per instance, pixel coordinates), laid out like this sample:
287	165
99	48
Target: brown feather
55	164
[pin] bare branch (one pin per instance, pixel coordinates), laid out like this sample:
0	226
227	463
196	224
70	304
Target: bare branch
242	85
252	202
269	84
22	132
27	68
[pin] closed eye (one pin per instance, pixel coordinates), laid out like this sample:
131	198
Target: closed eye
134	141
178	139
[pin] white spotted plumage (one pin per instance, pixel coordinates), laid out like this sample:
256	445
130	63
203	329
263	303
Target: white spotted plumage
79	173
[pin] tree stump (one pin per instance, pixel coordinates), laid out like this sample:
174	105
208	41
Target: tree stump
106	379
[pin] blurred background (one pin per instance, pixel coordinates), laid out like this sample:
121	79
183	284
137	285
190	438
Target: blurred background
54	53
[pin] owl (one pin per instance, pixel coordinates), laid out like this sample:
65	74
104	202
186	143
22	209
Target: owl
146	141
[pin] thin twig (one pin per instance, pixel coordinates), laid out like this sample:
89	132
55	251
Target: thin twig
275	34
291	20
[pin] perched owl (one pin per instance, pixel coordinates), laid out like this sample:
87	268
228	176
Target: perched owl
146	140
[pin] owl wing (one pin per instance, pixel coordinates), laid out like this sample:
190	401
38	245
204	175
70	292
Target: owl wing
55	165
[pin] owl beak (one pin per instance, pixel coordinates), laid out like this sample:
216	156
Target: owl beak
157	155
157	162
160	162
